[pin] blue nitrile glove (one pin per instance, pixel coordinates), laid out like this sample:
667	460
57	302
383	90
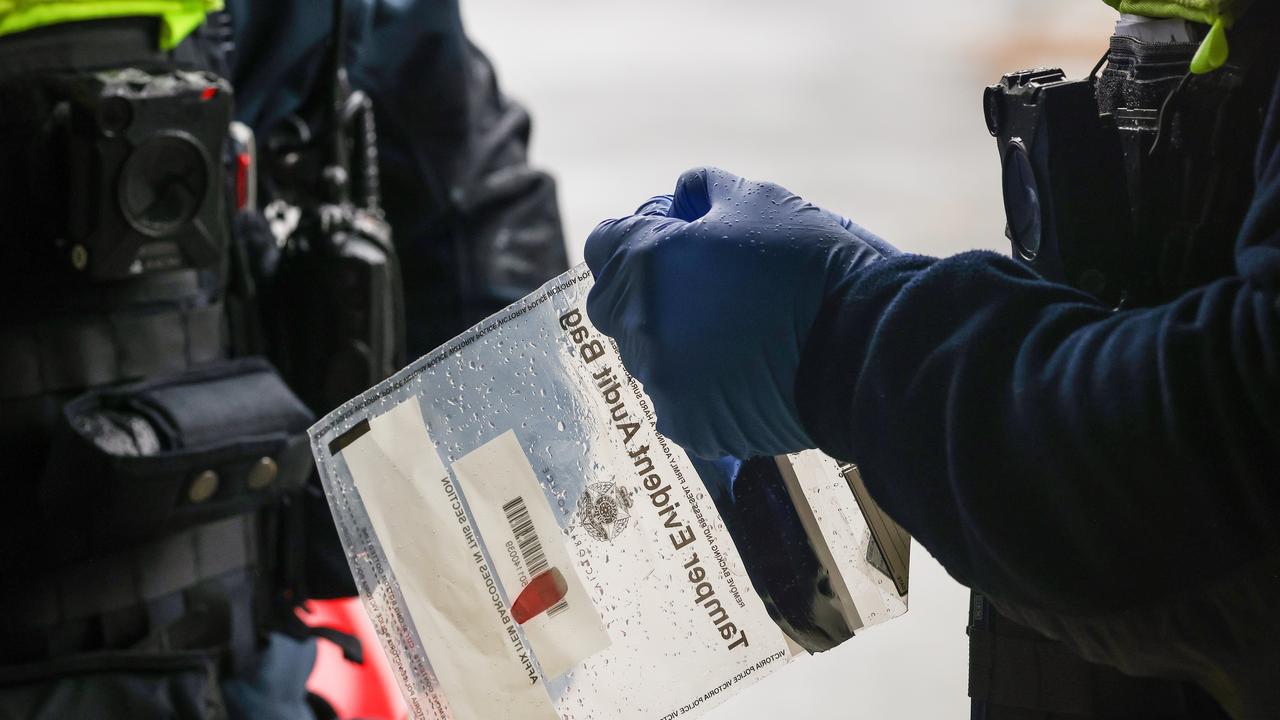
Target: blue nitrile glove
710	295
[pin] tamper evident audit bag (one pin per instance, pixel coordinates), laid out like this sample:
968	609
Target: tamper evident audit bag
529	547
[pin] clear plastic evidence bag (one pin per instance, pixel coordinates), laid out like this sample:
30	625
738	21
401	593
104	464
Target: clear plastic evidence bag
529	547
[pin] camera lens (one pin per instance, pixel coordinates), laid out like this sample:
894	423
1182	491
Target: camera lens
1021	201
163	184
991	108
114	115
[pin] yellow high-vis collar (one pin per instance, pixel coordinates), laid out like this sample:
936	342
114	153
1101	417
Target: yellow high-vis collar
1219	15
177	17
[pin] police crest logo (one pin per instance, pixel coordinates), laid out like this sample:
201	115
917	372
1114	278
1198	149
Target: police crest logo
602	510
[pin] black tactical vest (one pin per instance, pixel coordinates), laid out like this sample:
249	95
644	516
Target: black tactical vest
146	453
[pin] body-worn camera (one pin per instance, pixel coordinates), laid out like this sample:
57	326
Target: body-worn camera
1130	184
1064	191
121	171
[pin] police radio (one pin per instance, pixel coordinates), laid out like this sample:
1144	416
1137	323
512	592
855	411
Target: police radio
335	305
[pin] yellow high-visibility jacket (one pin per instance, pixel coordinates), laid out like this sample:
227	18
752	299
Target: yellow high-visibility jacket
177	17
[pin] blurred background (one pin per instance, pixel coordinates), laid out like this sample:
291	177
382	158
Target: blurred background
869	109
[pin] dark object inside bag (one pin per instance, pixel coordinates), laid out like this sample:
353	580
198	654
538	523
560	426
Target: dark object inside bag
776	552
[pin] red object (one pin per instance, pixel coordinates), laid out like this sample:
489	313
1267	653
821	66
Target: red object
367	691
540	595
244	164
208	93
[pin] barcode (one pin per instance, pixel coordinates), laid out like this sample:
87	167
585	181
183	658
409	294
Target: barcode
530	545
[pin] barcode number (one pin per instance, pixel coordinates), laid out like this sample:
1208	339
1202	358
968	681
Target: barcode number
535	559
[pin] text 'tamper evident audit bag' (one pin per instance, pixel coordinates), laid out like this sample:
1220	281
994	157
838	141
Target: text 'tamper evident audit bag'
529	547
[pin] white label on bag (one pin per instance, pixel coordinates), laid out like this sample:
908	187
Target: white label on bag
480	658
528	548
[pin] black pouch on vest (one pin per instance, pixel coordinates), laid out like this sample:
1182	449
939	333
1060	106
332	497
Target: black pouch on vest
147	459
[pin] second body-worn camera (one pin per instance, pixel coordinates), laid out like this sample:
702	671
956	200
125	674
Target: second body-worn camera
122	171
1131	184
1064	192
161	137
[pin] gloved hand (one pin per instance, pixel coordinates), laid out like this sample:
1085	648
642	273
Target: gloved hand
710	295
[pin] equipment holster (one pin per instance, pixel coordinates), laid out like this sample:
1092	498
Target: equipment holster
231	437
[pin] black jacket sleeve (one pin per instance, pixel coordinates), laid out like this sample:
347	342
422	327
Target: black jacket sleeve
1047	450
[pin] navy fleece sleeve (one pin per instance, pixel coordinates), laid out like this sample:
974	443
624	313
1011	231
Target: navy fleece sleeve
1047	450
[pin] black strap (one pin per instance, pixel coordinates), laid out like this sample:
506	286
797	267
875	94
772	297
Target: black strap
350	645
146	591
85	45
205	622
50	357
290	624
